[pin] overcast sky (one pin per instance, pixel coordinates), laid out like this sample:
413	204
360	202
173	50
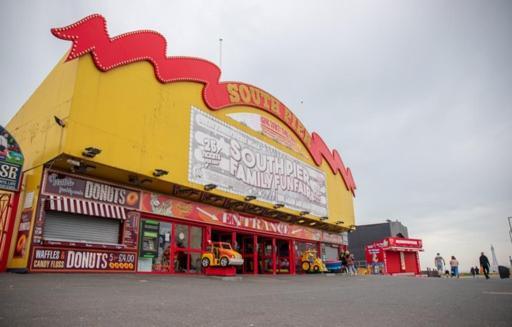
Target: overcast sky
416	95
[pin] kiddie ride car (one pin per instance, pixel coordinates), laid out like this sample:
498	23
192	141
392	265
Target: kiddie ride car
310	262
220	254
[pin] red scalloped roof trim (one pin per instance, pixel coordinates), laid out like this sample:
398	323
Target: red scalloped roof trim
90	35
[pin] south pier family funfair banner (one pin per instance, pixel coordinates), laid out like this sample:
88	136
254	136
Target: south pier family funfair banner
239	163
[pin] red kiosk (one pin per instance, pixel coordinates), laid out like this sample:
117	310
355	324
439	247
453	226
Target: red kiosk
394	256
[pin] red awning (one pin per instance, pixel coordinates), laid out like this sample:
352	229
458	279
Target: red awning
404	249
84	207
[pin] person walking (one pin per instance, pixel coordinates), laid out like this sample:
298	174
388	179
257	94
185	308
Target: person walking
484	262
439	262
473	272
343	259
454	265
351	264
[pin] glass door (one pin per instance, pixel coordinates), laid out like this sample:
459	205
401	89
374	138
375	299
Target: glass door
245	245
283	256
265	255
187	248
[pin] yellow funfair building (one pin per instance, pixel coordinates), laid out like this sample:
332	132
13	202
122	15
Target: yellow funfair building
137	162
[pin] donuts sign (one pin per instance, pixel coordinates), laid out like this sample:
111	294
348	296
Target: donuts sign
66	185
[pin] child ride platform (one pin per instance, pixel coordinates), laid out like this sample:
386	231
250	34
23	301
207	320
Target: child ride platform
220	271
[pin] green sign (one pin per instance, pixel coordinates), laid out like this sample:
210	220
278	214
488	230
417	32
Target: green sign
11	162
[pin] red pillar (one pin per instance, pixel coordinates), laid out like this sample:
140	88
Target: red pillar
274	258
255	254
417	256
208	234
4	256
172	252
292	256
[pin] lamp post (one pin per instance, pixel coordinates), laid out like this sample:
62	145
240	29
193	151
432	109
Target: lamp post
510	233
510	230
220	52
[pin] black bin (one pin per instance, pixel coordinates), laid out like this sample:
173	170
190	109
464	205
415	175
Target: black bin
504	272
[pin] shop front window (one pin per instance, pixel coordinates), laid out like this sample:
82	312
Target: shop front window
196	237
300	248
181	236
154	248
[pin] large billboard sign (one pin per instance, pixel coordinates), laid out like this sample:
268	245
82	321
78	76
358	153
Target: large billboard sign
239	163
11	162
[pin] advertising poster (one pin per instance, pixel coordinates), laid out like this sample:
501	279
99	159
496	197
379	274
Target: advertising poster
11	162
66	185
239	163
39	224
270	129
79	260
23	231
374	254
131	229
375	258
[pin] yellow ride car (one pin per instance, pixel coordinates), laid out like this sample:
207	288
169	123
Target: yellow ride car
221	254
310	262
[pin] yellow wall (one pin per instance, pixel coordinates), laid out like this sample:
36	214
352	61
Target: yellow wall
141	124
34	127
40	138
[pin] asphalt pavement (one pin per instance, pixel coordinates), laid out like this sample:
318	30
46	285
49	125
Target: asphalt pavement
306	300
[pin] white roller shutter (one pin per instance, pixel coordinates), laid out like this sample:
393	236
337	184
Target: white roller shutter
63	226
331	253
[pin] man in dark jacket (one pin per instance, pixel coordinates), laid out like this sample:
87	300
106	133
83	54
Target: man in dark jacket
484	262
343	260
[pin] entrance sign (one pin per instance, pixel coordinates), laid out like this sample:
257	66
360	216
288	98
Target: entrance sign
11	162
239	163
161	204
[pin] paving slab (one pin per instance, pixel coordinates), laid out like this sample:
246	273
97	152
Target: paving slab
306	300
